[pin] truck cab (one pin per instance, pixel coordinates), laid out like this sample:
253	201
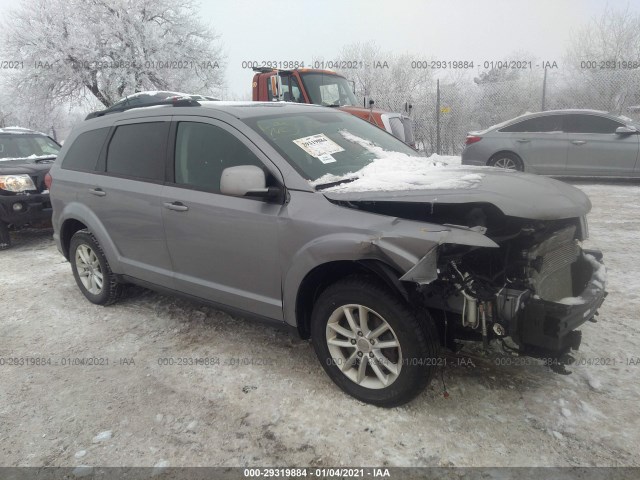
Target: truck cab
327	88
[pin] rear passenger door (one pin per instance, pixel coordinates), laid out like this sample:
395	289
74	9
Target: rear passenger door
223	248
127	197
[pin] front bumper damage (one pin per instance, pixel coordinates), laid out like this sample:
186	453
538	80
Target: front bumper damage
548	328
547	290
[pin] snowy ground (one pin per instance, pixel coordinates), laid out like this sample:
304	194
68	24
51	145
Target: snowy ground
283	410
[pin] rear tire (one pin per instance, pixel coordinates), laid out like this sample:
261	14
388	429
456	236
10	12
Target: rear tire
91	270
352	351
5	237
507	160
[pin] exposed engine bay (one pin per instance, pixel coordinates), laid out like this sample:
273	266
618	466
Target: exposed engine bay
536	288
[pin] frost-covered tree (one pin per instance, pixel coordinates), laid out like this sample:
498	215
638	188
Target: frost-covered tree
111	48
598	61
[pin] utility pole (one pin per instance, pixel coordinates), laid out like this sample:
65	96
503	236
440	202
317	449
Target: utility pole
438	116
544	89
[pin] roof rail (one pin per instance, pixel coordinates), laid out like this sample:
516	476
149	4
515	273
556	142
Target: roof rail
175	102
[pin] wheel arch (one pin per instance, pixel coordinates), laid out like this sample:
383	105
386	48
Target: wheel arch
506	151
67	230
320	277
77	216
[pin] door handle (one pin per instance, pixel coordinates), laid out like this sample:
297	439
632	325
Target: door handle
176	206
98	192
524	140
578	142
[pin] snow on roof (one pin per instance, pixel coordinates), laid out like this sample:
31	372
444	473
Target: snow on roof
549	112
19	130
394	171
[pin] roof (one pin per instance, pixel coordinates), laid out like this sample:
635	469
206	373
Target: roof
246	109
238	109
551	112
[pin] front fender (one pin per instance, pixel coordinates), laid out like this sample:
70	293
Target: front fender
400	252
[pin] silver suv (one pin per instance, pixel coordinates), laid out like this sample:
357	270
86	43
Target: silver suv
311	217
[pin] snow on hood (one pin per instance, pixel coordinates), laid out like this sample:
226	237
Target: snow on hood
393	171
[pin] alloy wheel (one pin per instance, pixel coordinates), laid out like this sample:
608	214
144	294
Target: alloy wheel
364	346
89	269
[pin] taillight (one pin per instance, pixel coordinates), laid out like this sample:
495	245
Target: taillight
48	179
472	139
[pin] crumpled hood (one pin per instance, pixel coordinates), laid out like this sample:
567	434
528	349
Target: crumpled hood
516	194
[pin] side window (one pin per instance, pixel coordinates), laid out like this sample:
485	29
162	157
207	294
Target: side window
203	151
590	124
85	150
139	150
547	123
296	94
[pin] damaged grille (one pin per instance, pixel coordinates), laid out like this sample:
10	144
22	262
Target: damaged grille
550	261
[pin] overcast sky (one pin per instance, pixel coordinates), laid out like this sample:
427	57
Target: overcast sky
447	29
479	30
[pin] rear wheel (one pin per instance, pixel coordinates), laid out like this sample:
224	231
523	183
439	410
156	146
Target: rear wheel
371	344
507	160
5	237
91	270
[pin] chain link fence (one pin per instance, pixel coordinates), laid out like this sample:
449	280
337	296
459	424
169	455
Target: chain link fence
470	103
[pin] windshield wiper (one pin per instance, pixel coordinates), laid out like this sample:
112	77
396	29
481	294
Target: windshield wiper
337	182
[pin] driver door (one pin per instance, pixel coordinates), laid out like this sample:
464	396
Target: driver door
222	248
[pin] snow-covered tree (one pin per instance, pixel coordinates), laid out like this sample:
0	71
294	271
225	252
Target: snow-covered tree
111	48
602	63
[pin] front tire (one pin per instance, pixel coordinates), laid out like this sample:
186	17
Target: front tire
371	344
507	160
91	270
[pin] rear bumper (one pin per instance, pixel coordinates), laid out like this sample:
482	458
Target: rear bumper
468	157
34	208
549	328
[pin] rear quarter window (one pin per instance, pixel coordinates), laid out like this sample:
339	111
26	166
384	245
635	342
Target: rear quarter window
85	150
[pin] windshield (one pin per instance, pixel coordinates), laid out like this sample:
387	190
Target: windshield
328	89
23	145
327	144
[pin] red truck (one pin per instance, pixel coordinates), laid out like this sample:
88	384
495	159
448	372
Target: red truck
324	87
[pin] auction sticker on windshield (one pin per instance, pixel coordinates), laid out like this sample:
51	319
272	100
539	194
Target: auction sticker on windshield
319	146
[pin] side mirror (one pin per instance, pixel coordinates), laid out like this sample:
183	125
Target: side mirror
246	181
276	87
627	130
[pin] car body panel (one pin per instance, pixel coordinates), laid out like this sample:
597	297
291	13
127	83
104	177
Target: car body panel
602	154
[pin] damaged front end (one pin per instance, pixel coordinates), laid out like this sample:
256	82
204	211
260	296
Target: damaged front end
536	288
530	280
